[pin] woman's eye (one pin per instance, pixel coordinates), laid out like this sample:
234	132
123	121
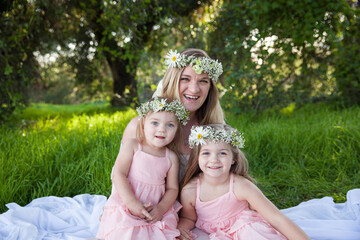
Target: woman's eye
223	153
184	79
205	153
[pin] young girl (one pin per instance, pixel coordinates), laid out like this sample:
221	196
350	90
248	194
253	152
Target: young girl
218	195
141	204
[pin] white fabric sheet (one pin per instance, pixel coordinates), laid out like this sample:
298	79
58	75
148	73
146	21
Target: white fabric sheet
78	218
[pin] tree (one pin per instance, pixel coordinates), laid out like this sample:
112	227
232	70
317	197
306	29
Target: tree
120	31
23	30
277	52
115	32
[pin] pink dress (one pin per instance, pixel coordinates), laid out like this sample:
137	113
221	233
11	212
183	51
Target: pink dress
147	178
228	218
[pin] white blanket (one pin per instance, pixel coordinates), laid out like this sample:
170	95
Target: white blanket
78	218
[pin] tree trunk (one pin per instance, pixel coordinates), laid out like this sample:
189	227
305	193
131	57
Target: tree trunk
122	81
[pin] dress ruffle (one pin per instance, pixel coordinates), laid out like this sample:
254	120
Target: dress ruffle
146	177
247	225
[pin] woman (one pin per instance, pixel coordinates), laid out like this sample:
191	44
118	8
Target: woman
191	78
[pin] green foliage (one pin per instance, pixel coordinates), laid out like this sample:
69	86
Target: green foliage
65	150
25	28
347	69
276	52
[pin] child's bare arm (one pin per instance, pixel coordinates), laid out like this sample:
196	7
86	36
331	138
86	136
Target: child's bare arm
246	190
121	183
188	214
171	190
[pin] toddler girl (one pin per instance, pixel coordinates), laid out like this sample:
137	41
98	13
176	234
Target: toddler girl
218	195
145	177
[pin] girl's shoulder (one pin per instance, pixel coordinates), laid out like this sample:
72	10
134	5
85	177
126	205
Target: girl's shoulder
173	158
242	187
191	185
188	192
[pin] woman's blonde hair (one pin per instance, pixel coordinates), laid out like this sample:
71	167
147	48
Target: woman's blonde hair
239	167
175	143
210	111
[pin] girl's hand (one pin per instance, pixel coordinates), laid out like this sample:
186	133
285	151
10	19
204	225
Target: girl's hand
185	234
138	209
156	213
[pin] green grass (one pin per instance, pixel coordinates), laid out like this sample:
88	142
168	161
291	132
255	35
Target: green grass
297	155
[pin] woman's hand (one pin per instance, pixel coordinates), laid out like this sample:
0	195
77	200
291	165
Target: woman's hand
138	209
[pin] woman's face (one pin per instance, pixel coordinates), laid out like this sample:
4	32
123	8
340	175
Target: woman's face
193	88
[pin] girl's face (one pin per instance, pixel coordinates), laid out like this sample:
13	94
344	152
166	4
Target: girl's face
215	159
193	88
160	128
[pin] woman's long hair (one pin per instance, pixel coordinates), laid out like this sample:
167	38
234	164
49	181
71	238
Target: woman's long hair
210	111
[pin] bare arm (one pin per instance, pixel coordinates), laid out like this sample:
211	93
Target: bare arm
246	190
188	214
171	190
130	130
121	183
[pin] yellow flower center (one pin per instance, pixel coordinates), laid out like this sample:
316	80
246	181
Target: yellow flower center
174	58
160	105
199	136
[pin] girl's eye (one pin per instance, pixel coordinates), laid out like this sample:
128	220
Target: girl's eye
154	123
171	125
205	153
223	153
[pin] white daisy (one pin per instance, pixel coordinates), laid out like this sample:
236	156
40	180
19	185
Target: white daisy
158	105
198	136
171	58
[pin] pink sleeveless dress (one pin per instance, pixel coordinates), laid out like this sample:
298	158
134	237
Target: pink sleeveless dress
147	178
228	218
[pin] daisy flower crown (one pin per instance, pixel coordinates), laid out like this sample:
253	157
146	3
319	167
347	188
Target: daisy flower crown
157	105
199	64
199	134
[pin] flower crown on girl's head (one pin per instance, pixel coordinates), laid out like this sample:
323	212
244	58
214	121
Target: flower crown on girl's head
199	134
157	105
199	64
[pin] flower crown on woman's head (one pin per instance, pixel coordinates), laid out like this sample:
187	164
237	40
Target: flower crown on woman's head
199	134
199	64
157	105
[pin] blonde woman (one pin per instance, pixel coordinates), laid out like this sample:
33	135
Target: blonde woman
191	78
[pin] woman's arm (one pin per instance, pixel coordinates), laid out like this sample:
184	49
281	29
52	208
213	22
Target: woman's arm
171	190
246	190
121	183
188	214
130	130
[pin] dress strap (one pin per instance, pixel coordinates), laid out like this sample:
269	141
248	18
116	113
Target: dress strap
167	153
231	185
198	188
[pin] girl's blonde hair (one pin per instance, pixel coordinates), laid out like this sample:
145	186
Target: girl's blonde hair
174	144
210	111
239	167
